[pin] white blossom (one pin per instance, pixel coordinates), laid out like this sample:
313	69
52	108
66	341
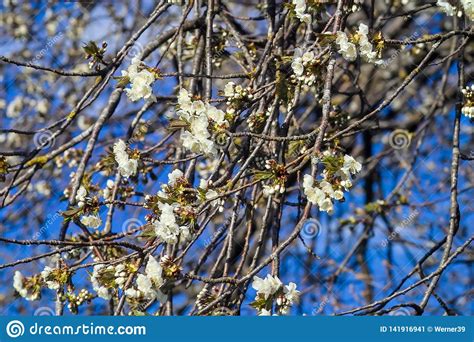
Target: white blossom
351	165
216	115
18	284
197	139
102	291
126	166
43	188
300	11
42	107
81	196
51	284
198	143
323	194
166	228
468	107
267	286
184	101
271	189
120	275
211	195
315	195
108	191
450	10
338	195
365	46
140	82
301	60
149	284
229	89
235	92
326	205
174	176
154	271
446	7
297	64
132	293
346	182
197	114
15	107
91	221
145	286
264	312
272	287
347	49
268	190
203	184
327	188
358	3
468	6
291	293
308	57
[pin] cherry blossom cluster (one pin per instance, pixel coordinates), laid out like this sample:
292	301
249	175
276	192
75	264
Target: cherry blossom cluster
237	97
81	195
108	191
20	103
468	6
235	92
50	277
301	8
91	220
452	10
107	279
126	165
27	287
202	120
169	226
257	120
277	178
141	80
206	296
303	66
30	287
336	178
348	45
356	5
147	285
269	290
172	207
446	7
70	158
75	301
41	187
210	194
468	106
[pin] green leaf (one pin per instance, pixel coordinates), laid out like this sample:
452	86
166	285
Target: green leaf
177	124
260	175
148	233
122	81
71	212
91	48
